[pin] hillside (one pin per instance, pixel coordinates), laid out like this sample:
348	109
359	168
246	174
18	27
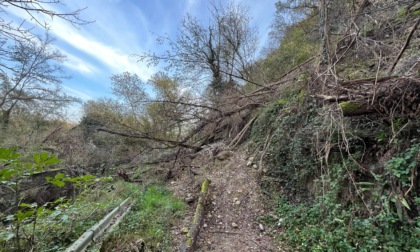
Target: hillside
312	147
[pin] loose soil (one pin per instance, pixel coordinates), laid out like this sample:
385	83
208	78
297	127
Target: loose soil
234	212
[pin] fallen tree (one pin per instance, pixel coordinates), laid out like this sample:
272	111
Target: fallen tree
198	218
390	96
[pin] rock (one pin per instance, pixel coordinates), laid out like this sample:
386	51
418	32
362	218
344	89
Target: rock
249	163
280	222
184	230
234	225
261	227
223	155
205	225
189	200
238	202
219	216
255	166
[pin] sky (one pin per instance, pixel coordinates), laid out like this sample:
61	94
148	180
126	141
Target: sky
120	30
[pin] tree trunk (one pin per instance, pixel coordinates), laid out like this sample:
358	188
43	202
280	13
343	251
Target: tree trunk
324	31
5	119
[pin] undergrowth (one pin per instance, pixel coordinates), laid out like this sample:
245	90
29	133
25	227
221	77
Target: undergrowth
150	219
342	184
291	130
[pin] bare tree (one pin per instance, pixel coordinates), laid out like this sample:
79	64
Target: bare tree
30	77
47	8
222	50
131	90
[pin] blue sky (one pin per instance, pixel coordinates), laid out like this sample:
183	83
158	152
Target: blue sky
123	28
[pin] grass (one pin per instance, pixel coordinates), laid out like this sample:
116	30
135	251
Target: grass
150	219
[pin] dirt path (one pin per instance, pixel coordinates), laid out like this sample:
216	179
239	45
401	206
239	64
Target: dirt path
233	214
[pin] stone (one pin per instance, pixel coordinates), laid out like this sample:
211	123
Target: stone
184	230
223	155
280	222
261	227
255	166
205	225
189	200
234	225
249	163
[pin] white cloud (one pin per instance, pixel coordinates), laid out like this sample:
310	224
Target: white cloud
76	93
104	49
75	63
115	59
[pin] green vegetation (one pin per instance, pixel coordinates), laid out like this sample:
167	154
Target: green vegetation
150	219
331	111
53	225
344	227
333	197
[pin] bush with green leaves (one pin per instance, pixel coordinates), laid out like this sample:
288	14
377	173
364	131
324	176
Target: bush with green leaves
28	223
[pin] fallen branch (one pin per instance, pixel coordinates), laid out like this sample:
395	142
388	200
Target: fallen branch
198	217
241	134
330	98
266	146
407	42
155	139
360	81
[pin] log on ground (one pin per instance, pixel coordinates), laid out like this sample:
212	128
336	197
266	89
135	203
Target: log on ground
198	217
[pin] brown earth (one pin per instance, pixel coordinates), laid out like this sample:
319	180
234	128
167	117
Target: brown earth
234	212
